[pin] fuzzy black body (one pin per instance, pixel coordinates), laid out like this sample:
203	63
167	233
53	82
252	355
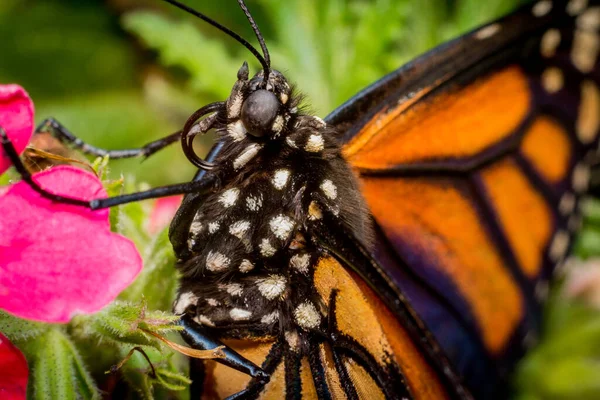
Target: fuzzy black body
248	257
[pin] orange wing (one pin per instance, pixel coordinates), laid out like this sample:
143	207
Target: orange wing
473	175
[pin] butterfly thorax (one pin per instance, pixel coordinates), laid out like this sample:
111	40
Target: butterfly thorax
247	269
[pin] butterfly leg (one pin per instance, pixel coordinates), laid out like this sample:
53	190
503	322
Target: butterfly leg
203	186
59	131
198	338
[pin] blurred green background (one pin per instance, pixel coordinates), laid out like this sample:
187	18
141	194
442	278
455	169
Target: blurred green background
120	73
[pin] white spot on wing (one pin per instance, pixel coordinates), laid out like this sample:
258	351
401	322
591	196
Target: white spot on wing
575	7
237	314
488	31
550	42
588	119
184	301
559	245
245	156
307	316
590	19
216	261
315	143
280	178
584	51
281	226
229	197
552	79
542	8
567	204
293	340
581	178
329	189
272	286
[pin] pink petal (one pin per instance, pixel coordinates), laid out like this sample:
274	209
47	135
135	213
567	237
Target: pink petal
13	371
163	212
16	117
58	260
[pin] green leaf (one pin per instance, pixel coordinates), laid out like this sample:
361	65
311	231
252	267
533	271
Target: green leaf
53	374
20	330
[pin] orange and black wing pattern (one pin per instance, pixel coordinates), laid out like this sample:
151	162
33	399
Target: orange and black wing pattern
473	160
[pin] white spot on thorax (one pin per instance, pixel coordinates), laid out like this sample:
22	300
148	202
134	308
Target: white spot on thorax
300	262
184	301
235	106
271	318
284	98
266	248
229	197
488	31
290	142
195	228
315	143
245	156
559	245
281	226
272	286
239	228
246	266
314	211
237	131
329	189
277	124
254	203
280	178
307	316
319	121
575	7
542	8
550	42
216	261
203	320
237	314
213	302
234	289
213	226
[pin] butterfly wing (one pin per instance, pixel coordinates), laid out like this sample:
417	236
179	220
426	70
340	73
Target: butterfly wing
473	159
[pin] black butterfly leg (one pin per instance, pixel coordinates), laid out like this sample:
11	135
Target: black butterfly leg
198	338
56	129
203	186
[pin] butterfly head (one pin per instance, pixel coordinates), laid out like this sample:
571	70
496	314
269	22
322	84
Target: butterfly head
259	107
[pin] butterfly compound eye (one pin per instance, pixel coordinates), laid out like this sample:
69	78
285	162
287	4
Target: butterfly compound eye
259	112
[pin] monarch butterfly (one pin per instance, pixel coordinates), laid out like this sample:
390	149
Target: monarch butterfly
402	247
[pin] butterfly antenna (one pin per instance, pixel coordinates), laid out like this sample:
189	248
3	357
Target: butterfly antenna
265	64
260	38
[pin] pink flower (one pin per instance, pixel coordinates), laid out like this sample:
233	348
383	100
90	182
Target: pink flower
583	281
13	371
16	117
58	260
163	212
